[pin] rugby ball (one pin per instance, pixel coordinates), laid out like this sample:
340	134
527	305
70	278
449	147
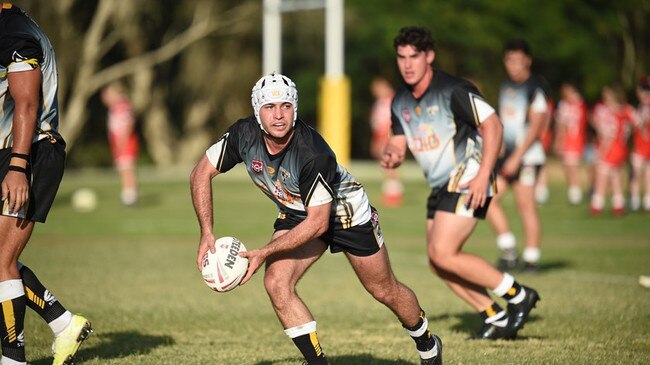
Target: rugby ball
223	270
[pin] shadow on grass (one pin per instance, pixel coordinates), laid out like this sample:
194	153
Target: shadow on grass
115	345
362	359
470	322
553	265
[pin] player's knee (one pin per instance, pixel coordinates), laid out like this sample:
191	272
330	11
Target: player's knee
440	261
276	285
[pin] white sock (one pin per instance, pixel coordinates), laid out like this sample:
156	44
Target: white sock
506	283
597	201
8	361
532	254
11	289
618	201
303	329
61	323
506	241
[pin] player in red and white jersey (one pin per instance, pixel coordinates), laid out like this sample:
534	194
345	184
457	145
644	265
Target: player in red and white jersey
641	150
612	119
123	139
380	122
571	135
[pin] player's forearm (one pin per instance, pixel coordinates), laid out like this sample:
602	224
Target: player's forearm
537	121
202	200
492	133
304	232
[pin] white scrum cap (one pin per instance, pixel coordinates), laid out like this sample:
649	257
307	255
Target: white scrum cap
271	89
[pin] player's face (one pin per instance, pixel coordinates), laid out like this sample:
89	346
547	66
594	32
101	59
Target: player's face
413	64
277	118
517	65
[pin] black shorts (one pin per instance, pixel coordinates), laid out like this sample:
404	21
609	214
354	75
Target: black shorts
47	161
441	199
362	240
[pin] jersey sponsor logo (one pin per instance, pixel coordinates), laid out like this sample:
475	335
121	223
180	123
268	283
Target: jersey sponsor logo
418	110
257	166
433	110
426	139
406	115
284	174
270	170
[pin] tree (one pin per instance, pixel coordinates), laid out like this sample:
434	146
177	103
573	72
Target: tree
145	42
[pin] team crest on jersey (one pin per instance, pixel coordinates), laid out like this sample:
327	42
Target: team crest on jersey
257	166
406	114
433	110
284	174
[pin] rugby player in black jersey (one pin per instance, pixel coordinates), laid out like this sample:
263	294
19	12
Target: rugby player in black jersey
32	156
455	137
524	110
320	205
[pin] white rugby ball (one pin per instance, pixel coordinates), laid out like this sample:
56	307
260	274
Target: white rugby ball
223	270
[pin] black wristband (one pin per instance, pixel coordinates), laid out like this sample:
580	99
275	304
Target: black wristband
17	168
20	155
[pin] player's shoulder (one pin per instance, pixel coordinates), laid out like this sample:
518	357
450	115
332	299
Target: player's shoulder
13	22
245	126
310	143
537	80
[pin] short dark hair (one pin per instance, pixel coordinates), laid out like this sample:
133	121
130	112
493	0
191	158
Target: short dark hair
517	45
418	37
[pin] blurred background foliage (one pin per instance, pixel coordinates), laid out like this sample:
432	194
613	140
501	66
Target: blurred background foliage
190	64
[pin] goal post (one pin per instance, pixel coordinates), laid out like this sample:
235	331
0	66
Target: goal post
334	113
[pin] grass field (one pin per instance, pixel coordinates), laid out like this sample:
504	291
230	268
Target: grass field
132	272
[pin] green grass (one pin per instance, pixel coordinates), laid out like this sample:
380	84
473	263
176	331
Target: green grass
132	272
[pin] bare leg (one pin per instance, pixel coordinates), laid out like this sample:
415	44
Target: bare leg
281	276
527	208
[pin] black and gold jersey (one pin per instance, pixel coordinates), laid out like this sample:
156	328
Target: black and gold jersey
23	46
304	174
441	129
516	101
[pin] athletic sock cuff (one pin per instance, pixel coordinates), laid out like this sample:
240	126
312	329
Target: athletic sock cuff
303	329
417	332
506	241
506	283
11	289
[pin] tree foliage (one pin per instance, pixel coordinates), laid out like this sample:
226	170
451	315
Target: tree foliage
190	64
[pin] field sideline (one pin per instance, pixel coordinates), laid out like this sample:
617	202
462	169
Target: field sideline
132	271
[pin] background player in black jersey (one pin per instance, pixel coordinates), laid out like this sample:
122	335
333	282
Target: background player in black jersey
524	110
320	204
32	155
455	137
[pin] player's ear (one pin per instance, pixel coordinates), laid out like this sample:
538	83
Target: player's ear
431	55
